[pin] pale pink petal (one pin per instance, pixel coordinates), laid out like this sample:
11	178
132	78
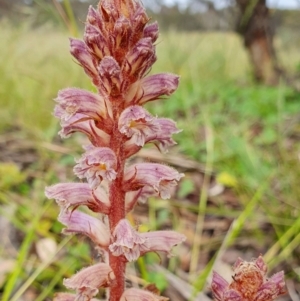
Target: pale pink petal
160	177
96	164
161	241
136	123
88	280
77	194
151	88
78	123
74	100
218	286
78	222
135	294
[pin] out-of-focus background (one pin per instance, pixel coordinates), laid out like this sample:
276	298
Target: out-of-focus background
238	104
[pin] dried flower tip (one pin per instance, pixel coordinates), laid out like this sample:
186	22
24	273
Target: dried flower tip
249	283
88	280
80	223
96	164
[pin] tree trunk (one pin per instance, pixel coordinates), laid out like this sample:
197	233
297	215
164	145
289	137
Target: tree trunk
255	27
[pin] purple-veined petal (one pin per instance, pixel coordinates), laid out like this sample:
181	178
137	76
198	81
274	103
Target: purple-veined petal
96	41
162	138
79	194
151	31
137	123
88	280
135	294
139	59
96	164
78	222
218	286
151	88
80	51
78	123
74	100
110	76
122	35
160	177
132	244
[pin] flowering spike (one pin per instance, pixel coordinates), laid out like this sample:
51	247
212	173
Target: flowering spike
117	52
249	283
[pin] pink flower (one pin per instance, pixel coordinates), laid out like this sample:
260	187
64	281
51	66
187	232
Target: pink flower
79	194
132	245
78	222
88	280
77	123
74	100
137	123
135	294
151	88
96	164
249	283
160	177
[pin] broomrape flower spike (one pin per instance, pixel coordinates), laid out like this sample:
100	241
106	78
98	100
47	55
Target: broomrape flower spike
249	283
117	53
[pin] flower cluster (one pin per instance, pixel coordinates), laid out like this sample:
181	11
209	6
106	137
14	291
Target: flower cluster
249	283
117	53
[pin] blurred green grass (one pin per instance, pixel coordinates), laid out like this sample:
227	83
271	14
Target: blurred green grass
253	132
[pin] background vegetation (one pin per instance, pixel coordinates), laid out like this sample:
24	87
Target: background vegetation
239	150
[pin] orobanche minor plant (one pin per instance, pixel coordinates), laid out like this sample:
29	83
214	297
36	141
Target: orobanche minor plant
117	53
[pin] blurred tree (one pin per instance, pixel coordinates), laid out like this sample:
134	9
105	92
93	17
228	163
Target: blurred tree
255	26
